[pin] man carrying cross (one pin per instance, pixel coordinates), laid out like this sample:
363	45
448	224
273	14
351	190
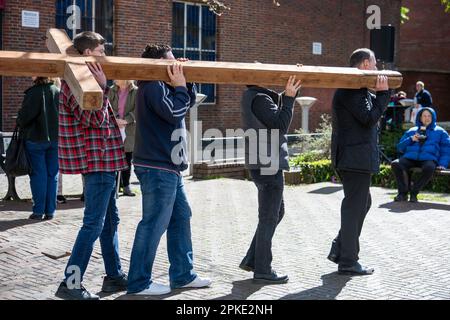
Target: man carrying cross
90	143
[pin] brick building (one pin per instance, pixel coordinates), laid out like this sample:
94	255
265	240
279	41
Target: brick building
424	52
252	30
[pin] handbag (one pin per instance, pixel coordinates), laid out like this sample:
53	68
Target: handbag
17	162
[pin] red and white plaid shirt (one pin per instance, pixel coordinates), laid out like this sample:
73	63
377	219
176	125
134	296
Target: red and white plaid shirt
89	141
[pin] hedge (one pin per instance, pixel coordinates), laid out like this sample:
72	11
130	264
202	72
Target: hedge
322	171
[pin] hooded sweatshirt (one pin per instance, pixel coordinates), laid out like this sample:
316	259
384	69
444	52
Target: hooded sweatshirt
435	148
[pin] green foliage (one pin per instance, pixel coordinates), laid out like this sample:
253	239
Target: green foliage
314	148
313	172
389	140
446	4
322	171
404	11
385	178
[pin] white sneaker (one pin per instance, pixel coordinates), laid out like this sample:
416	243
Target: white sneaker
198	283
155	289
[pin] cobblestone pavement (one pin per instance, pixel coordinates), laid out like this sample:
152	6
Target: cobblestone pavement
407	244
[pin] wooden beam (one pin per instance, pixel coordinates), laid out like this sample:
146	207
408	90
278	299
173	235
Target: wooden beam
245	73
27	64
59	42
65	62
228	72
77	74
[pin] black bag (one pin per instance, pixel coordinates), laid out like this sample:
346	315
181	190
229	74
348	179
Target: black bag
17	162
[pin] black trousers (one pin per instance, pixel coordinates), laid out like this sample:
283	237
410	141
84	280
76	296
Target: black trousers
401	170
271	211
126	174
357	202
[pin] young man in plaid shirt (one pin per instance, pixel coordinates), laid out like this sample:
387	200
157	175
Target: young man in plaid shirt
90	143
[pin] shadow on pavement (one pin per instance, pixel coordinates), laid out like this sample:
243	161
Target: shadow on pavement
332	285
11	224
242	289
326	190
400	207
134	297
26	206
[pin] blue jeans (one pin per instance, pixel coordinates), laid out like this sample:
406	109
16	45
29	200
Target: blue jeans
165	207
101	219
44	176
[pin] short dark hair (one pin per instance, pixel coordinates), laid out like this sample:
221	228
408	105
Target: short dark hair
359	55
156	51
87	40
43	80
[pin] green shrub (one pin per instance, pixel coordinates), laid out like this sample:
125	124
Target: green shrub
389	140
315	148
322	171
313	172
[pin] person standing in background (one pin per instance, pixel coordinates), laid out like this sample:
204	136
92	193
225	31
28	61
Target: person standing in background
123	101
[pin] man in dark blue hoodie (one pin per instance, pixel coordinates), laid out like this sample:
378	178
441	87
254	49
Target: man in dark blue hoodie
159	157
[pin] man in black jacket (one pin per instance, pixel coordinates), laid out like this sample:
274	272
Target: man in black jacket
354	152
268	115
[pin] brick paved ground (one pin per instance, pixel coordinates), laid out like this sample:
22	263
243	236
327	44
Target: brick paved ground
407	244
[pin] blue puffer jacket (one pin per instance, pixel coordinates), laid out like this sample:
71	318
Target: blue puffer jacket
436	146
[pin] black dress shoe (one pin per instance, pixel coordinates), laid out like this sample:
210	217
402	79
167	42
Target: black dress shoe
413	198
61	199
334	254
127	192
401	197
356	269
35	217
270	278
246	265
65	293
48	217
115	284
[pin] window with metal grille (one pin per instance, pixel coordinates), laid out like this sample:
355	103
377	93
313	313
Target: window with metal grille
76	16
194	37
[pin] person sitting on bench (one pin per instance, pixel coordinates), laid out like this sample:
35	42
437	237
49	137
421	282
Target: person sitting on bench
426	146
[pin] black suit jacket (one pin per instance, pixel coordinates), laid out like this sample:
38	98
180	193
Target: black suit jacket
355	116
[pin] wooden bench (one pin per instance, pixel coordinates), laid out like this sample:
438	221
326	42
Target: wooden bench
437	172
12	193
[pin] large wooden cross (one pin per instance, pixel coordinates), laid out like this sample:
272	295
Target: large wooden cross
65	62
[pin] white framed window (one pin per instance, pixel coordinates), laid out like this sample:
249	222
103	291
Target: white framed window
194	37
76	16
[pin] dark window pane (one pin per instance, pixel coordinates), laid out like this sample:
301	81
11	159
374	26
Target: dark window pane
192	55
192	32
209	90
104	22
178	25
178	53
209	56
208	29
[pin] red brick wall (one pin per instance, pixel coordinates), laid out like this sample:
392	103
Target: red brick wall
137	24
18	38
424	43
424	52
252	30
